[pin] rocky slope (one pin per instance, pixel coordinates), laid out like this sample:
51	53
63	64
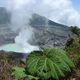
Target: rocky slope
46	32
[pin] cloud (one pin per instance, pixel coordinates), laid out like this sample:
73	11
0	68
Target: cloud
61	11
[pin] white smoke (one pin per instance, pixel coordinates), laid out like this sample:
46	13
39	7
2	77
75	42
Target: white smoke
61	11
23	38
20	22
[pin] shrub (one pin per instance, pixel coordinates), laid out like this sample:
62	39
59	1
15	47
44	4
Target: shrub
48	63
19	72
73	49
75	30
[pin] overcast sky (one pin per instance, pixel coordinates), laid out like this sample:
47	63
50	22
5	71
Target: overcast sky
76	3
62	11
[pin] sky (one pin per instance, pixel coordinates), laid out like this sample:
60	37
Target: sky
76	4
62	11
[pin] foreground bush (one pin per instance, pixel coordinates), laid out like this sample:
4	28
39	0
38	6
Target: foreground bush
47	64
73	45
73	49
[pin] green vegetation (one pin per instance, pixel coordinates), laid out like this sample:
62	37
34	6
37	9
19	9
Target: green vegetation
73	49
19	72
47	64
75	30
73	45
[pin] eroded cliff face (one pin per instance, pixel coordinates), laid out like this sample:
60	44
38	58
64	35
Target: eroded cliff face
48	37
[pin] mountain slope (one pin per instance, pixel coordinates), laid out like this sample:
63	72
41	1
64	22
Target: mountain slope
48	33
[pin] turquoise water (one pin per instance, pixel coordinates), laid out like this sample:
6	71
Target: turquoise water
12	47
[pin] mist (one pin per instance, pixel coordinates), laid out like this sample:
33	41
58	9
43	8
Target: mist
20	23
61	11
